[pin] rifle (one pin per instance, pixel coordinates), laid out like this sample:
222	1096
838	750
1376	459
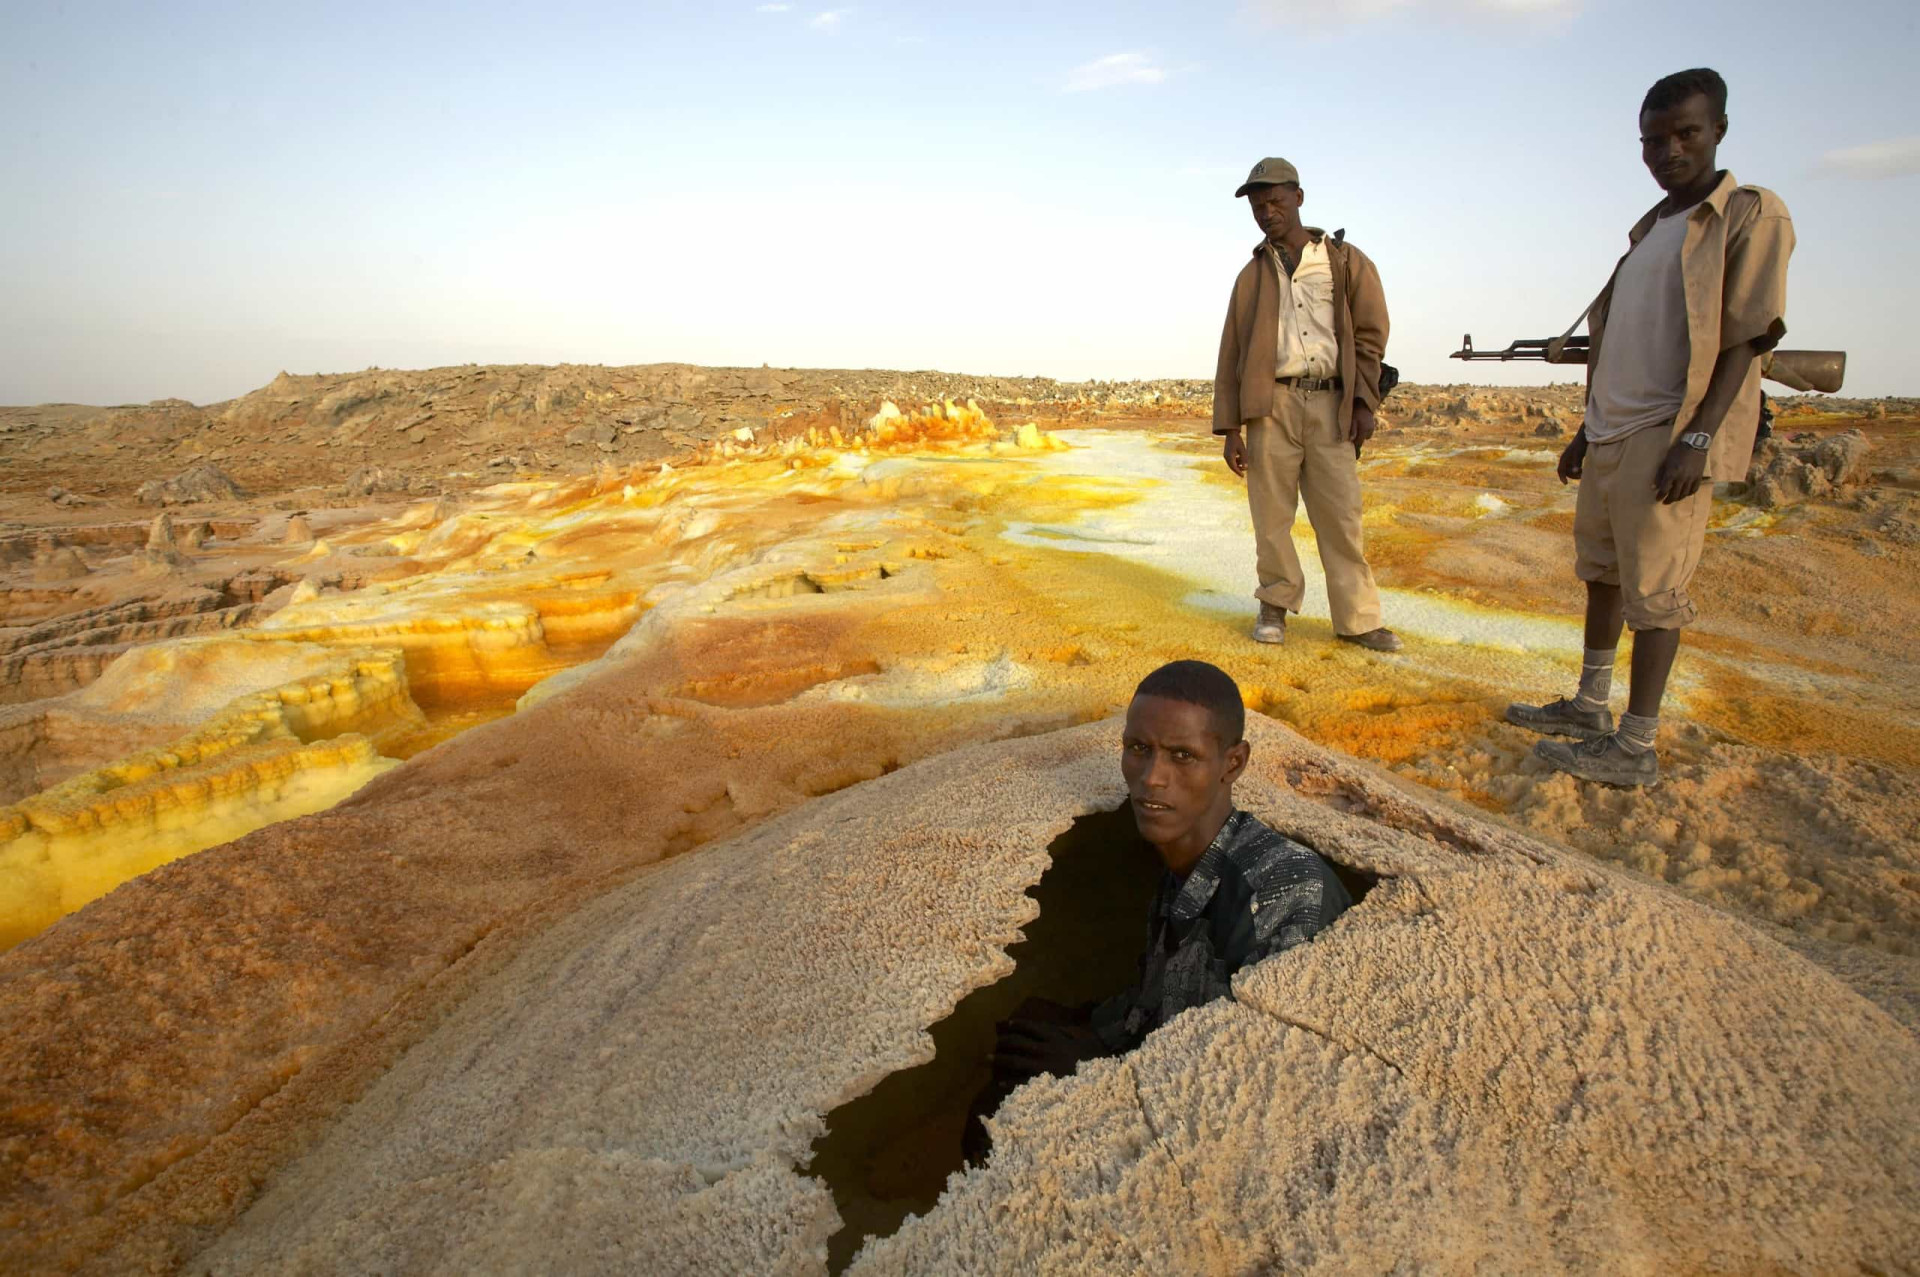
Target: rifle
1801	370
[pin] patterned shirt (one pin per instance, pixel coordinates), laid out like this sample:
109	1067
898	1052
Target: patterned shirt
1253	893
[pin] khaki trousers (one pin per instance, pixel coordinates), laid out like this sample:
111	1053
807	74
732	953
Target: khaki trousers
1300	452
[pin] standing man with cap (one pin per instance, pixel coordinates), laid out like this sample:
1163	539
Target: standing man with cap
1673	402
1294	397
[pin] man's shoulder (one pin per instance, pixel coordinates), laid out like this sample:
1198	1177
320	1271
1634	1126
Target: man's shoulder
1266	857
1760	202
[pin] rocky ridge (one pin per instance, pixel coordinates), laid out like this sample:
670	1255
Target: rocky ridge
387	430
393	431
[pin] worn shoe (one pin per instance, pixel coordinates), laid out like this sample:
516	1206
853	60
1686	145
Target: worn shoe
1272	625
1380	640
1600	760
1562	718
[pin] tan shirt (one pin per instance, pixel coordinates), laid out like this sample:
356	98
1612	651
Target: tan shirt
1733	268
1643	380
1306	344
1243	380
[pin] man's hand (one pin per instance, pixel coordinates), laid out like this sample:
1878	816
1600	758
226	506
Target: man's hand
1363	424
1573	457
1029	1046
1680	473
1235	450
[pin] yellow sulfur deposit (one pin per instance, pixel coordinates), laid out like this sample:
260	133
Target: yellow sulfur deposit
459	612
71	845
264	756
1022	539
485	652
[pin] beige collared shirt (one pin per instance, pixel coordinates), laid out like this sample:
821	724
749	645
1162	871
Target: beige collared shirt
1733	275
1306	343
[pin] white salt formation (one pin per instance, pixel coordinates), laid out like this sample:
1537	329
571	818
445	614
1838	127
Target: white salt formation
1507	1057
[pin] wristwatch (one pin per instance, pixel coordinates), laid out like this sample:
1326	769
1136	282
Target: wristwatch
1698	439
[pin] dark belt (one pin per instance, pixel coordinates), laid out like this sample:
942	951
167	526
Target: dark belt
1307	385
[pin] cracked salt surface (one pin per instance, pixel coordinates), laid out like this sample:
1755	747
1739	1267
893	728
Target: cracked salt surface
1203	533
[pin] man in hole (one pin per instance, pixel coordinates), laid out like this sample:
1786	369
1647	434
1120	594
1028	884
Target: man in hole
1234	891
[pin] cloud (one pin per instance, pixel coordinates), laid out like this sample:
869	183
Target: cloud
1346	13
1895	157
827	19
1113	70
772	8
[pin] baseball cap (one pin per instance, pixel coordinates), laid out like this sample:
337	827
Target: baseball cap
1269	172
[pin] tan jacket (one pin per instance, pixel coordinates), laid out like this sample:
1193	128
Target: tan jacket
1733	265
1243	381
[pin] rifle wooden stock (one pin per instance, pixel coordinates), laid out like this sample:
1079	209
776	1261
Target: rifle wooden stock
1805	370
1802	370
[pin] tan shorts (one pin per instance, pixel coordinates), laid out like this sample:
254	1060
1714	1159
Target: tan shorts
1624	536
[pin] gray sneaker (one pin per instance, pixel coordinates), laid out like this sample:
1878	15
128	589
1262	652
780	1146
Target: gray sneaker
1600	760
1562	718
1272	625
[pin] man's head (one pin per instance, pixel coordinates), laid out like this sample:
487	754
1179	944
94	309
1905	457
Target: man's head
1273	193
1682	120
1182	751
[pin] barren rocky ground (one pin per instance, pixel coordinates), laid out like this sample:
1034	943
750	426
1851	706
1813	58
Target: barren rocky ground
387	430
452	427
735	597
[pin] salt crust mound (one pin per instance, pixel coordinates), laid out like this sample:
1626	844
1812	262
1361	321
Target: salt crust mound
1505	1058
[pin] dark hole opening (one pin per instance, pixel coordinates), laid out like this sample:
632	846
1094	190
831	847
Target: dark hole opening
887	1154
1357	882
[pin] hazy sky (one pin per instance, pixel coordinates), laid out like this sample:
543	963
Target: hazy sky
198	196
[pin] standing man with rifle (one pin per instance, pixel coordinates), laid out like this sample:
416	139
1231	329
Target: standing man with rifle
1673	399
1299	372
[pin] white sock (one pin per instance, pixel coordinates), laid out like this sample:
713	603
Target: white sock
1596	679
1636	733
